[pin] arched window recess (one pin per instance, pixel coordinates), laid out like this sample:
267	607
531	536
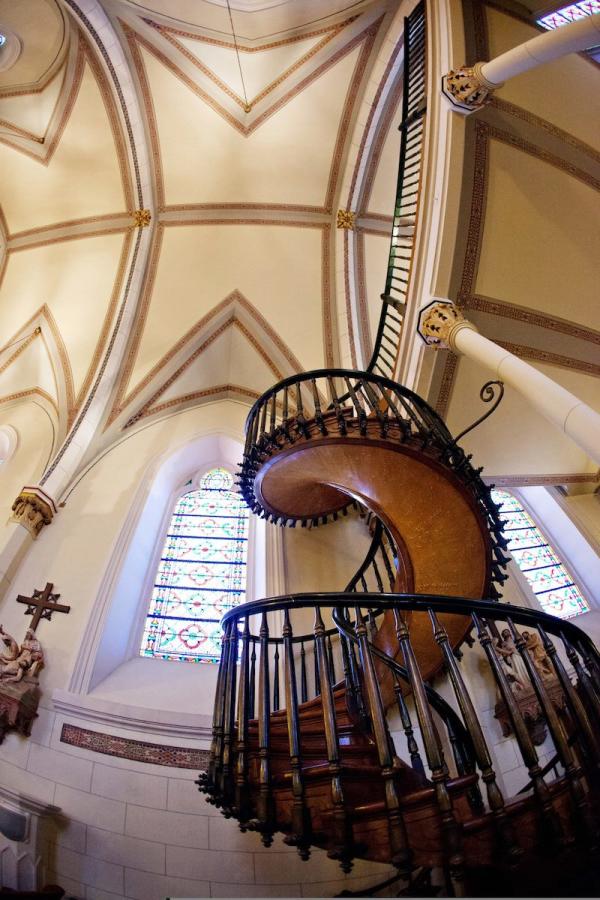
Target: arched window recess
202	571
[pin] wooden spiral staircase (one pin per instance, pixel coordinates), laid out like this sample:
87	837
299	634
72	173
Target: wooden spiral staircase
325	726
302	742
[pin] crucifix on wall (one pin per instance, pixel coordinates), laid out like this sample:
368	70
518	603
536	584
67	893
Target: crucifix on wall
20	665
42	604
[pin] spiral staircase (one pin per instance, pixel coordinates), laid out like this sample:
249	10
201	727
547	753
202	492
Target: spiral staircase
326	727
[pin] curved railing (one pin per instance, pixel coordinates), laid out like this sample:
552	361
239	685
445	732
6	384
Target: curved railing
341	402
243	777
406	208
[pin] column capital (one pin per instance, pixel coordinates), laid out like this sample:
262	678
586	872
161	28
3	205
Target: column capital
439	323
33	509
467	88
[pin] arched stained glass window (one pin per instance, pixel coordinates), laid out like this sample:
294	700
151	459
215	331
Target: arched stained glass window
202	572
547	576
570	13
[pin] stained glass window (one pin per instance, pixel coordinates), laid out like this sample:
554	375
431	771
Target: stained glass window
547	576
570	13
202	572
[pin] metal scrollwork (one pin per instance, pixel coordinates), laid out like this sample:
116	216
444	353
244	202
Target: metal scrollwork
487	394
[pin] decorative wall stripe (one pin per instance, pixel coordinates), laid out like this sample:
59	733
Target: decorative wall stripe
519	143
554	359
531	317
137	751
505	106
526	480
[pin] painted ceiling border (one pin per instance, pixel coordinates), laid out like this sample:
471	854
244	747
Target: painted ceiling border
123	398
329	33
194	333
134	37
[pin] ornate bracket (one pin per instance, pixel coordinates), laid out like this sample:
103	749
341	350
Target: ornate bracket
487	394
467	88
33	509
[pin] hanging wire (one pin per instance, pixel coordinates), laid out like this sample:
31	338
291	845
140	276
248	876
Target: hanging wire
237	53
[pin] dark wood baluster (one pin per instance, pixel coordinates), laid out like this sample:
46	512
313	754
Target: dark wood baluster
549	821
330	654
361	415
276	679
242	806
252	682
317	673
391	574
439	772
219	755
263	420
372	625
303	678
378	578
300	418
318	411
301	830
587	684
273	416
342	427
495	799
412	746
587	829
264	810
214	758
378	405
574	703
591	663
228	770
342	844
400	851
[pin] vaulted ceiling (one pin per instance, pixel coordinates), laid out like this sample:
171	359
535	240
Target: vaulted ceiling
246	276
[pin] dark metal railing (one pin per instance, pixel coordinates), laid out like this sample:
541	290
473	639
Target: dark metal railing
412	130
244	774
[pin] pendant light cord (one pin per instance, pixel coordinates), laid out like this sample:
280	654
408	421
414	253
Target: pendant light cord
237	53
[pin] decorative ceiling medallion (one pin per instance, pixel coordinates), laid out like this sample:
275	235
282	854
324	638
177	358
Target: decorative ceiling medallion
10	48
346	219
141	218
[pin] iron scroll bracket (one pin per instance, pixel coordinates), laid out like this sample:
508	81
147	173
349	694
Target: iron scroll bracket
487	394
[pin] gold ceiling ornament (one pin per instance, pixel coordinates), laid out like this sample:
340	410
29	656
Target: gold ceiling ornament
346	219
141	218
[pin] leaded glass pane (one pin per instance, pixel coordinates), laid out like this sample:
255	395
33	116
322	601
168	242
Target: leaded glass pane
202	572
570	13
547	576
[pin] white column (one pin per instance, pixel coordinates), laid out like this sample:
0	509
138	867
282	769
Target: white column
442	324
470	87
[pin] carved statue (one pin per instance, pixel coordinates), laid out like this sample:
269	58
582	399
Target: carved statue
540	658
12	649
28	661
515	667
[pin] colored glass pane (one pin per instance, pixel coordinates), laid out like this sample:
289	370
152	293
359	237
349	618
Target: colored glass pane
547	576
570	13
202	572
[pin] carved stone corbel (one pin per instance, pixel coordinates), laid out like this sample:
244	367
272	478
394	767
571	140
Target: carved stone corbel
439	322
33	509
467	88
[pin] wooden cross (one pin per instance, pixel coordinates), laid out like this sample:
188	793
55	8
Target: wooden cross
42	604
